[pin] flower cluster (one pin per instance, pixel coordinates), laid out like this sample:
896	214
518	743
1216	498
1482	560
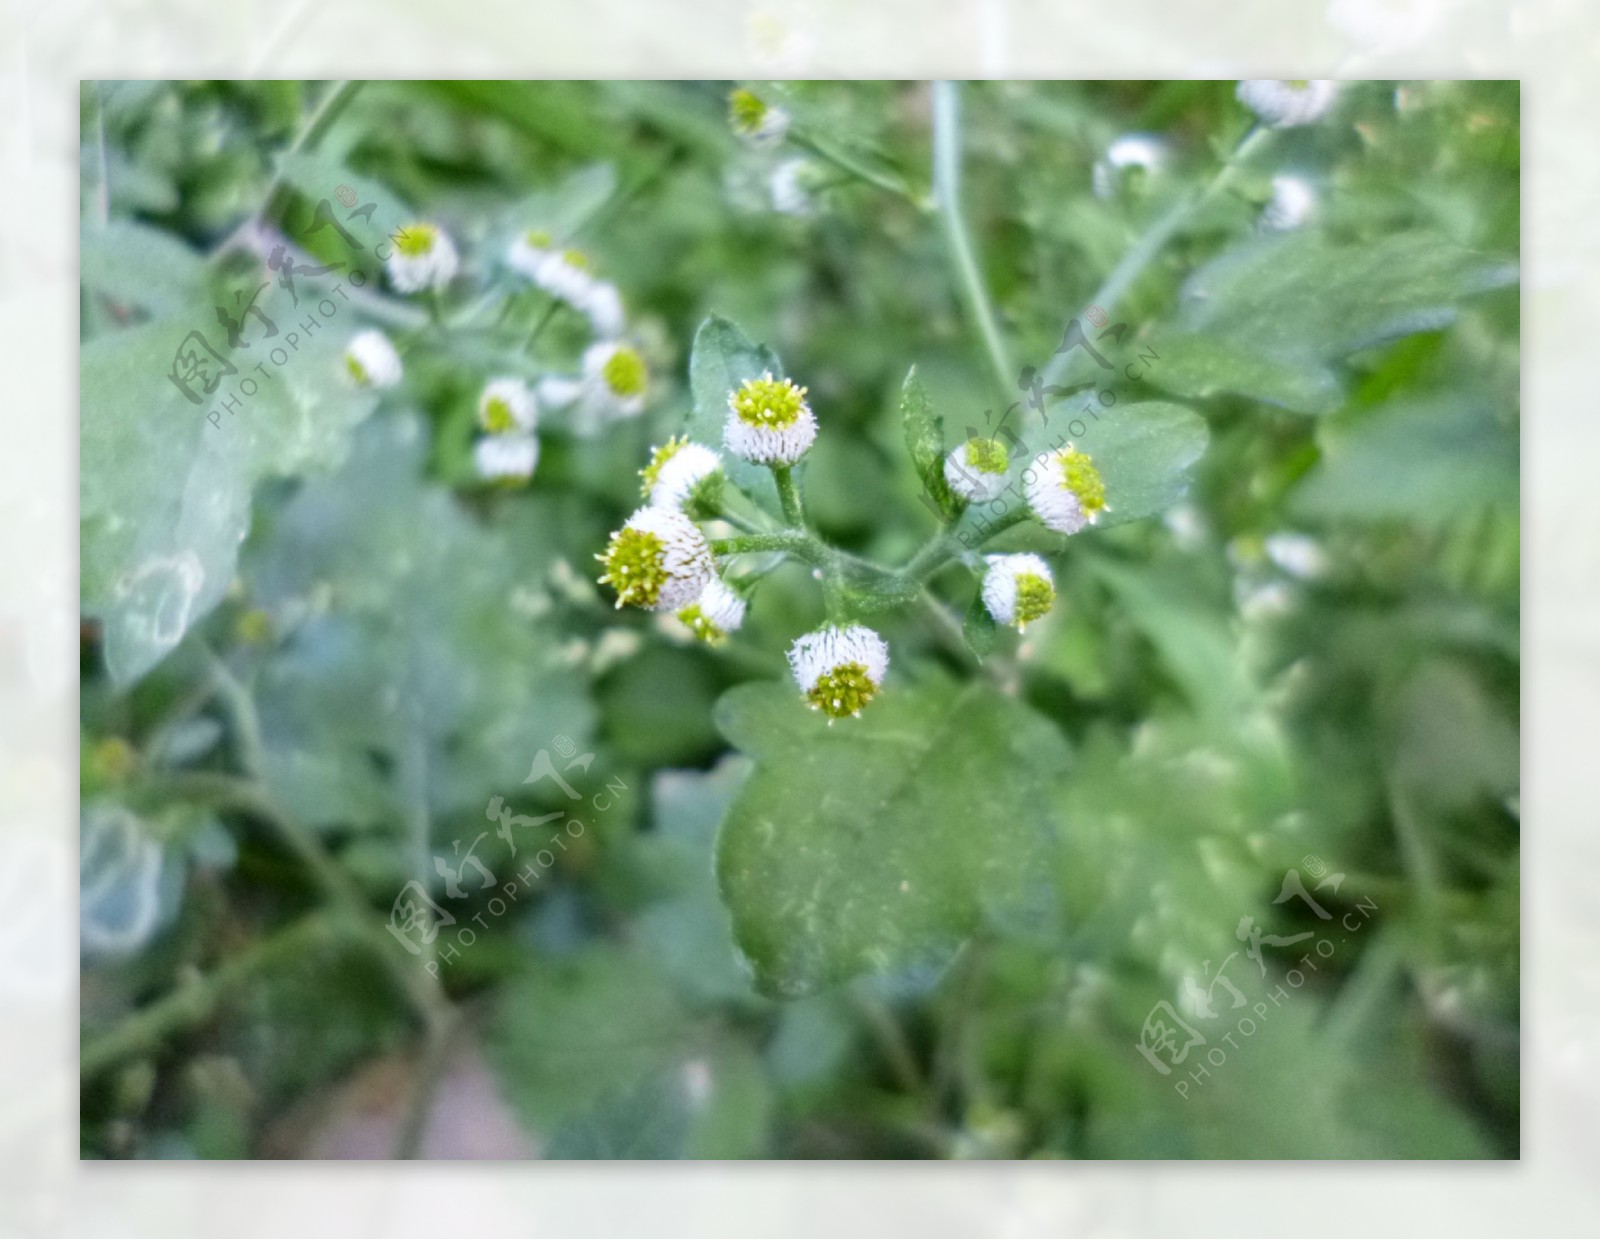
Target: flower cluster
508	414
568	275
613	380
660	560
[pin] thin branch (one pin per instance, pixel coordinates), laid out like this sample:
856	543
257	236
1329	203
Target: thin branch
947	193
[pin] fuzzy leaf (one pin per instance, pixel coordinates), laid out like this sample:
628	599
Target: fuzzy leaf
722	359
924	432
878	845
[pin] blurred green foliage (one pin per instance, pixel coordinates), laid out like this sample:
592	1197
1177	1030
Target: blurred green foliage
316	646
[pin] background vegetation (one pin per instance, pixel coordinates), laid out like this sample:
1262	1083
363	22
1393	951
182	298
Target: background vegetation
316	646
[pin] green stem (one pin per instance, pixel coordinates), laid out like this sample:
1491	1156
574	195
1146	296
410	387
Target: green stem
801	546
251	796
848	164
789	496
191	1003
947	193
1133	263
310	136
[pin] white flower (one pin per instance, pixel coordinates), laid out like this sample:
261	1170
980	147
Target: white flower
1299	555
1017	589
658	560
1385	26
370	360
612	387
839	670
506	458
787	188
507	405
423	257
603	304
769	421
676	468
1064	490
566	274
1283	103
1133	150
756	120
976	470
716	613
1293	202
529	252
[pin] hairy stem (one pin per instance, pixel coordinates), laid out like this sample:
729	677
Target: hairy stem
191	1003
789	496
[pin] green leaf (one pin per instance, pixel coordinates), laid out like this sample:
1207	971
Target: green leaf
979	628
1266	319
722	359
865	590
165	493
1201	366
924	434
133	264
418	675
881	844
684	924
602	1061
565	209
1145	454
1423	459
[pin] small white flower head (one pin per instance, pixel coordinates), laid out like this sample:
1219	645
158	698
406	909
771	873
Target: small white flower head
370	360
529	252
1018	589
839	670
612	388
677	470
788	187
1130	155
976	470
1283	103
755	120
603	306
566	274
423	257
769	421
1293	202
1064	490
658	560
507	405
716	613
506	458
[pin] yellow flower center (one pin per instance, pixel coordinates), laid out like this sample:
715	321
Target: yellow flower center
987	456
651	473
635	566
537	238
415	240
497	415
842	691
1034	597
745	111
1079	476
769	403
701	626
624	372
357	371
